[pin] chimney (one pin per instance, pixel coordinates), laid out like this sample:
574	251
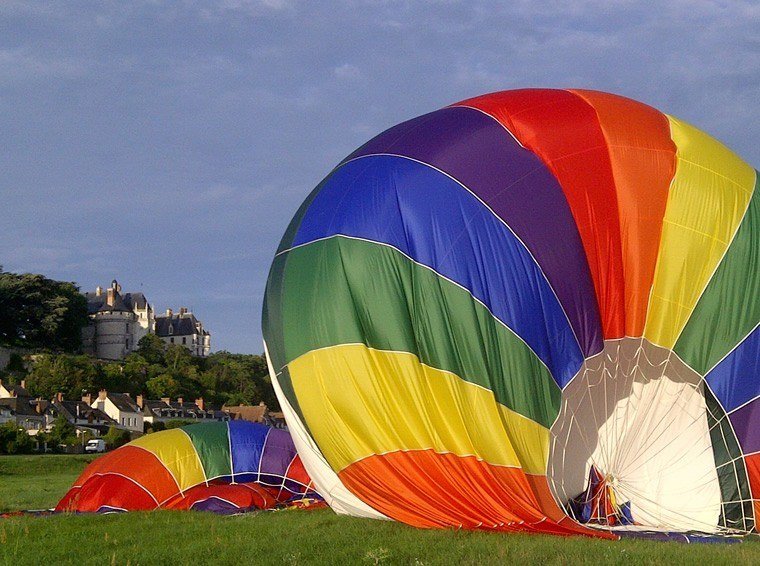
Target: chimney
102	395
110	296
98	291
200	404
140	402
23	383
87	399
59	396
169	312
180	400
182	311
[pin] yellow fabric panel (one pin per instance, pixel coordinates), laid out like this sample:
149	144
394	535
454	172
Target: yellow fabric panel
358	401
175	449
708	198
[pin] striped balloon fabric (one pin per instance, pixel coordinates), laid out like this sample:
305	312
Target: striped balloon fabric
219	466
481	306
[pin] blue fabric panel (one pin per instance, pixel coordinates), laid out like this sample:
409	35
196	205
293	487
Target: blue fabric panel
435	221
735	380
246	443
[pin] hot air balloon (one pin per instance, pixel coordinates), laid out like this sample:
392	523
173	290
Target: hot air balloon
225	467
533	310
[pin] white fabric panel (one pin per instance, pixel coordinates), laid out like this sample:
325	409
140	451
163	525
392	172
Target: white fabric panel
327	482
638	414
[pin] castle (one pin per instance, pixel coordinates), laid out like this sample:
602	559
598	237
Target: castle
118	322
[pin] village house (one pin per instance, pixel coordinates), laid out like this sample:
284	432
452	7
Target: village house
17	390
183	328
80	414
165	410
120	407
27	412
256	414
6	415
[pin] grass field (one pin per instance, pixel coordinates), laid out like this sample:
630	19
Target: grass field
37	482
285	537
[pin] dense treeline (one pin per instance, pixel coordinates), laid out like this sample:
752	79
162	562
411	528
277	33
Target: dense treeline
37	312
46	316
154	370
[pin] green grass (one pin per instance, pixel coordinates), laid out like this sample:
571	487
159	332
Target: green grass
290	537
37	482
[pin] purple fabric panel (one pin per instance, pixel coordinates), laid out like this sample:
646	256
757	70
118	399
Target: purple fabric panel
479	153
746	423
279	452
215	505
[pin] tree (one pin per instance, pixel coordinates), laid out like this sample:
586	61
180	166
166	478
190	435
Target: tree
116	437
152	349
36	312
14	440
62	432
135	373
163	385
70	375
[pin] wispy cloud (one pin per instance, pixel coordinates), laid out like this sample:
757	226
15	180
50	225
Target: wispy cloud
169	143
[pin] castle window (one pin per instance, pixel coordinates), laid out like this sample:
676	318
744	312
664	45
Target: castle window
171	339
184	340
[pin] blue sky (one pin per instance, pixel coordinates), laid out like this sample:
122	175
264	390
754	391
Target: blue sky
167	144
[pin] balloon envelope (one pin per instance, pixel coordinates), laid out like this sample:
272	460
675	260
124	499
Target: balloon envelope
532	310
219	466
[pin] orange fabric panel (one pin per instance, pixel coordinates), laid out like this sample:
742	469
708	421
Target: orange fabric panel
138	464
753	471
428	489
563	130
643	159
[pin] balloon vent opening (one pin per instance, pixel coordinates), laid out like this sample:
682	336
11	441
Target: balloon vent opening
641	438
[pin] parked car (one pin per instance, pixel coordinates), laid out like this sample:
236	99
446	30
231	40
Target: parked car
95	445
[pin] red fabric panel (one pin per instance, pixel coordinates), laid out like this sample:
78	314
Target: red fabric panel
242	495
427	489
564	132
753	471
298	473
108	490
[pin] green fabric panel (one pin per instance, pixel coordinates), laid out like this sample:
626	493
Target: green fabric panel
212	443
271	314
729	464
343	291
729	308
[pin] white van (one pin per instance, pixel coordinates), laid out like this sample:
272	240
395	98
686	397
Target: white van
95	445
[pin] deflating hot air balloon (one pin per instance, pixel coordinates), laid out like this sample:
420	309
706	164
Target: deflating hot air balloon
533	310
221	467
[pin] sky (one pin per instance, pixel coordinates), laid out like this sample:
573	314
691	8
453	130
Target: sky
168	144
